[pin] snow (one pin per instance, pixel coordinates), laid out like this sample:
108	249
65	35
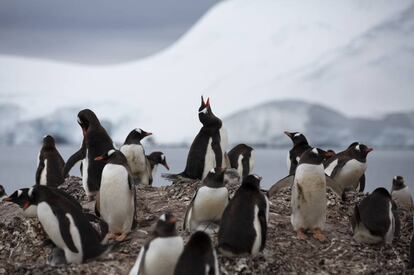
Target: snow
341	54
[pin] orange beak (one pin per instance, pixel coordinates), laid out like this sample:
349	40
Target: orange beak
99	158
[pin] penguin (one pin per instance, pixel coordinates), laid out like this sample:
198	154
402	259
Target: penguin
243	226
348	167
411	258
3	194
160	254
208	148
401	194
308	199
21	198
50	166
375	219
96	142
208	203
117	202
65	225
300	145
198	257
135	154
153	160
242	158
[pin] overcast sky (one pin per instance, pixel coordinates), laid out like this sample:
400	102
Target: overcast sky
94	31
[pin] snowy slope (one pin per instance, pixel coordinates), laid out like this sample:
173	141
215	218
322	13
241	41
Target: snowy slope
354	56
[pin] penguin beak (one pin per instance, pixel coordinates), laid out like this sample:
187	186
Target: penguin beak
172	220
329	154
288	134
369	150
8	199
148	134
100	158
166	165
208	103
26	205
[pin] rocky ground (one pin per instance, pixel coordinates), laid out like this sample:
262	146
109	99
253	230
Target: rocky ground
23	251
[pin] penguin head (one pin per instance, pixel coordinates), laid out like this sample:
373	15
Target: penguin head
331	152
200	241
205	114
398	183
314	156
252	180
215	178
20	197
165	226
2	191
382	192
112	156
87	119
359	151
48	141
296	137
158	158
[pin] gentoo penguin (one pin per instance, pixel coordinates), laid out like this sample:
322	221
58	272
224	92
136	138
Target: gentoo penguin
21	198
96	142
208	202
3	194
243	225
160	254
401	194
308	201
348	167
198	257
300	145
135	154
208	148
242	158
153	160
66	225
374	219
116	195
50	167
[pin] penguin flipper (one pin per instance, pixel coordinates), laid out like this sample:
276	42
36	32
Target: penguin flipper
77	156
246	167
64	226
40	168
187	217
341	163
283	183
362	183
331	184
263	222
139	263
216	146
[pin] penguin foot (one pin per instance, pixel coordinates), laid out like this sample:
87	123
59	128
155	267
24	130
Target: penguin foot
57	257
110	236
318	235
301	234
121	237
91	198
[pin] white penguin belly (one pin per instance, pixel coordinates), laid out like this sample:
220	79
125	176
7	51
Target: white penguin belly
116	199
331	167
209	160
240	166
362	235
390	233
351	173
162	255
209	205
30	212
251	161
135	156
43	175
288	163
309	205
258	228
403	198
85	165
50	224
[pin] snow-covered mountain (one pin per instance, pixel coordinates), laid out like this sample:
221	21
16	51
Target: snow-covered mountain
355	56
265	124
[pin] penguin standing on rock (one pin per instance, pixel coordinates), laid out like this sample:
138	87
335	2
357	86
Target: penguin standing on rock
243	226
66	225
50	167
309	195
348	167
153	160
159	256
208	148
401	194
198	257
208	203
117	204
375	219
135	154
300	145
242	158
96	142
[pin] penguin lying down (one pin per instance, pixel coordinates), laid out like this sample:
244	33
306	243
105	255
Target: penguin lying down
64	223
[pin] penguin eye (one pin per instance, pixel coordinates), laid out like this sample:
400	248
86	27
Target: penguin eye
111	152
19	193
204	111
315	151
163	157
30	191
357	148
79	120
138	130
297	134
